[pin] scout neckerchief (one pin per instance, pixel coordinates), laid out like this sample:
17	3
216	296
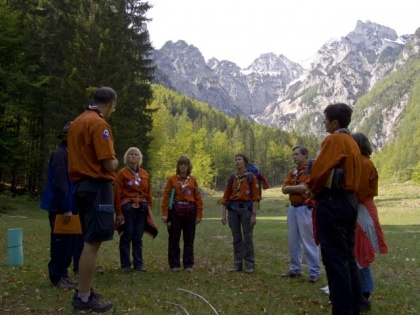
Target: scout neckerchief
95	109
183	183
239	179
297	173
137	181
137	178
342	130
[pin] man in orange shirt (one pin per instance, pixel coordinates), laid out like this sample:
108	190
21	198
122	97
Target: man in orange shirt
241	198
299	219
92	166
336	209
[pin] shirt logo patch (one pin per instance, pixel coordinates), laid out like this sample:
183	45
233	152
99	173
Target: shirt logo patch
247	192
106	135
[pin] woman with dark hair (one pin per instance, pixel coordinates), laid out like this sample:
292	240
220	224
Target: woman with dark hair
183	215
133	201
241	198
369	235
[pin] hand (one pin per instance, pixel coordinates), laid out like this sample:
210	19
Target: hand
67	217
119	220
253	220
224	219
164	219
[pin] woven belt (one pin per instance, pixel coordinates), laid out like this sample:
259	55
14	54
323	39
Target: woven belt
182	202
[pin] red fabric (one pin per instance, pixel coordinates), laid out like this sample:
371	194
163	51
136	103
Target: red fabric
314	227
363	249
264	181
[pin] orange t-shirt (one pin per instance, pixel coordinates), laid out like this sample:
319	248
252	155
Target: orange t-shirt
368	184
241	190
297	176
89	142
126	187
185	190
338	150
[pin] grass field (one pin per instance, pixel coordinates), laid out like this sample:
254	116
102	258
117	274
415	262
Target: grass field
27	290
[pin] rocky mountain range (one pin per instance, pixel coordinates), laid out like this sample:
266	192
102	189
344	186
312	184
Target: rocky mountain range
276	91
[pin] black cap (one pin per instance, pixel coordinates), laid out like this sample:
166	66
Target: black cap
65	130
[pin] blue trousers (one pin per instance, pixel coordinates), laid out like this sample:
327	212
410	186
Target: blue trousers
301	235
366	280
243	244
336	216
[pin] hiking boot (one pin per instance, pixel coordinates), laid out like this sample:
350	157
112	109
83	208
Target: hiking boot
62	284
291	274
93	304
313	278
235	268
70	280
126	269
188	269
95	293
249	270
141	269
175	269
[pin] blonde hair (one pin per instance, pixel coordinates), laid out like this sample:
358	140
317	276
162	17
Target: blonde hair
131	150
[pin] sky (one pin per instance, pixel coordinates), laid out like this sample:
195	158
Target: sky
241	30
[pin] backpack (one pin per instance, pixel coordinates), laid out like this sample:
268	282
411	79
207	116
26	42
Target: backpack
252	170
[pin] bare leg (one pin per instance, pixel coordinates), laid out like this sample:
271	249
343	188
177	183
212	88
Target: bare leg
87	264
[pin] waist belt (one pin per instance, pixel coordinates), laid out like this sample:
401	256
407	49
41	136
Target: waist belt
296	205
182	202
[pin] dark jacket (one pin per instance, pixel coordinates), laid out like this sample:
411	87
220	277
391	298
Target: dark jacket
57	194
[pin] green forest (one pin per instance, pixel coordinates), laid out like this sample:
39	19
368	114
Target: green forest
54	53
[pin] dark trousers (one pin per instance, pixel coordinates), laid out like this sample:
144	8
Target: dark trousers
135	223
63	249
336	216
186	225
242	234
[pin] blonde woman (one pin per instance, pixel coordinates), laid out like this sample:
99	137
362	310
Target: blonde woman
186	213
133	201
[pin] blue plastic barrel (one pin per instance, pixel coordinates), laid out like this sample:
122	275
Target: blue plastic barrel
14	247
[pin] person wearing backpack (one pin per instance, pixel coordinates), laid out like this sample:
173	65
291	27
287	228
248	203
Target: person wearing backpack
240	201
299	219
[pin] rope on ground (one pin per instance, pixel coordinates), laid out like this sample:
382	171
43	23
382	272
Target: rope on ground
214	310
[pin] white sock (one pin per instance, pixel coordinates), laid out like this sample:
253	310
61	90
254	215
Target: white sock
83	296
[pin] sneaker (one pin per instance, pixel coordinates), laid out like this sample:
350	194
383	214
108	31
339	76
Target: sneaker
291	274
62	284
249	270
126	269
313	278
141	269
176	269
93	304
189	269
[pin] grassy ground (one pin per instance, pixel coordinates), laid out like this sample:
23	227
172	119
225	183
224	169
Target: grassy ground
27	290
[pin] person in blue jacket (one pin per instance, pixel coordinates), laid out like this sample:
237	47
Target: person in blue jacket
57	198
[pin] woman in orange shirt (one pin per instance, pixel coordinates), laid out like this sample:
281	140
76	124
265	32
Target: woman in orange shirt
367	219
133	201
185	213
